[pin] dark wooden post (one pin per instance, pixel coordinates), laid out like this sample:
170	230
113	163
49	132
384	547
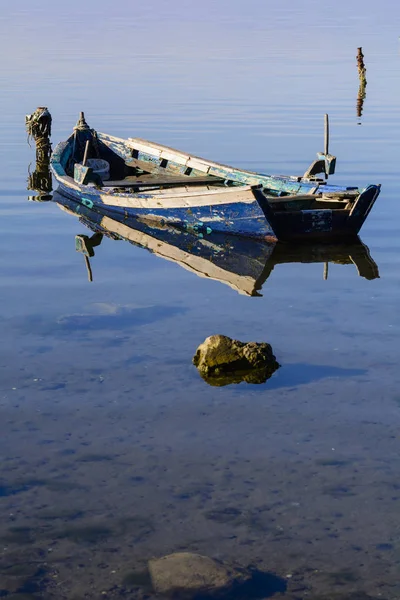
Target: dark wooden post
363	81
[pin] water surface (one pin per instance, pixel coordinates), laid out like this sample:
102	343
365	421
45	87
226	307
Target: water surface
113	449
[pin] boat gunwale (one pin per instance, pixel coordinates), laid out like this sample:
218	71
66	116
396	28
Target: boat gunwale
315	186
57	166
227	170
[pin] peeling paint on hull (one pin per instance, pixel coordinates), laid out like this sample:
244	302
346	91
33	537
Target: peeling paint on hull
239	218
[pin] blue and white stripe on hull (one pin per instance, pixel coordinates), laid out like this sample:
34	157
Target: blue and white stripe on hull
234	210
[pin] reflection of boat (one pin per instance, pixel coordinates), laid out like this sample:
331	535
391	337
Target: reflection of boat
242	263
239	262
356	253
137	178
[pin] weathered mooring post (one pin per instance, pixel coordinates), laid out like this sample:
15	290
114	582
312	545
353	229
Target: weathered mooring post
38	126
363	82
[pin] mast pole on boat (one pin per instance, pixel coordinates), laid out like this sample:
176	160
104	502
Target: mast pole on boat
326	134
325	162
86	153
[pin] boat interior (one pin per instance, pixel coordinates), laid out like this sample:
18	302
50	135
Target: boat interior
140	166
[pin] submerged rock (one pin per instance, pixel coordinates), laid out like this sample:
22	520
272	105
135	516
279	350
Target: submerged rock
191	574
222	360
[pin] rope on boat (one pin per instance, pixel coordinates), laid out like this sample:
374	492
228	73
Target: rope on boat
82	134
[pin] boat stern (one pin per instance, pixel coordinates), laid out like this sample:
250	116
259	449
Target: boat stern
362	206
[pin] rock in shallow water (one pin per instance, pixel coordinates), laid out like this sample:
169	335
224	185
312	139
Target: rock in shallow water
222	360
192	574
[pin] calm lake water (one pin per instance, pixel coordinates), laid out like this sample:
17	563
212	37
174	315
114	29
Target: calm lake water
113	449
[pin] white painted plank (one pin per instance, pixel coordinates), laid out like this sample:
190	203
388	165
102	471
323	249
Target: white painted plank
200	165
176	157
175	201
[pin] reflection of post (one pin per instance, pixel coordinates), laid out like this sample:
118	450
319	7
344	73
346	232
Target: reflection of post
85	245
326	270
363	82
89	268
40	181
38	126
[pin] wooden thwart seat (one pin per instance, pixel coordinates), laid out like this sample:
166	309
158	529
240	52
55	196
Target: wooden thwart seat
162	180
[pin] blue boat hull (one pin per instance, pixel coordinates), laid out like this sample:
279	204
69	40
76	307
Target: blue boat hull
238	218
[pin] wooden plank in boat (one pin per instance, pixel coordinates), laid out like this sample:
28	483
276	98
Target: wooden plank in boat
345	195
155	167
144	165
285	199
200	165
331	199
156	180
147	147
151	147
179	159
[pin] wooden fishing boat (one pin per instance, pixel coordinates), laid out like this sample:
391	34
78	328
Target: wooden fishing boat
242	263
135	178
